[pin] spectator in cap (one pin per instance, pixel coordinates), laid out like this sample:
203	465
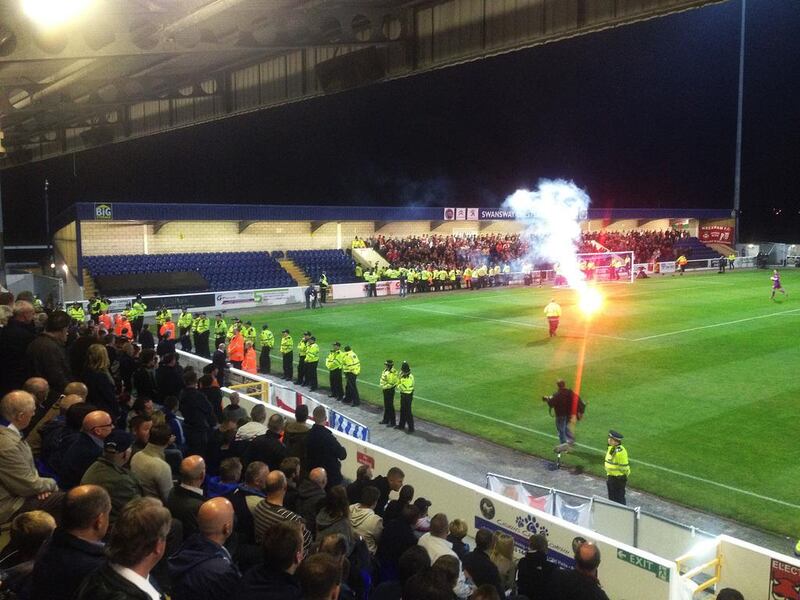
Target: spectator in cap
388	382
617	467
109	472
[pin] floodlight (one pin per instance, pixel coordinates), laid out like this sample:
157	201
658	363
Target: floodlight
52	265
65	269
52	13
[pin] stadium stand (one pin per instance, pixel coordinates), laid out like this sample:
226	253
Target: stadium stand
694	249
338	267
221	270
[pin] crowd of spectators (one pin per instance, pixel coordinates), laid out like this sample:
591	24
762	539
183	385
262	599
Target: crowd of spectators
647	246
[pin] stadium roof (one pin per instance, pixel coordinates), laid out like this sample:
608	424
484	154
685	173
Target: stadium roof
129	68
247	214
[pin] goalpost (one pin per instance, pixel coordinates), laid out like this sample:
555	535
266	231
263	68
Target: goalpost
613	267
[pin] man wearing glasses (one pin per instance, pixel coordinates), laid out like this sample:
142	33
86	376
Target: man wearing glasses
87	448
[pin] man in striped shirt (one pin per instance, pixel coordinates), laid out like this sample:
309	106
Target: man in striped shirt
270	510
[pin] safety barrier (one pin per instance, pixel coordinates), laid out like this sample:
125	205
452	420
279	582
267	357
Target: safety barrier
632	525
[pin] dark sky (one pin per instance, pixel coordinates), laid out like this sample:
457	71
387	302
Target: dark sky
640	116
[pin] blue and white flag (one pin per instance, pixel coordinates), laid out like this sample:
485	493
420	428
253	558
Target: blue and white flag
340	422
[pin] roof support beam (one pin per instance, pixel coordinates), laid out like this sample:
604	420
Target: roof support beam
158	225
316	225
245	224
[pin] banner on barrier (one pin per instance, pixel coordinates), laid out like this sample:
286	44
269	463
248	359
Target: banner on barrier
286	398
340	422
271	297
342	291
715	233
579	514
516	491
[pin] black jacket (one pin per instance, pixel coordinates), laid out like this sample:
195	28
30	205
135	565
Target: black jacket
535	576
267	448
169	381
483	570
102	393
382	483
45	357
15	338
144	381
147	340
184	505
214	397
397	537
79	457
577	586
63	564
106	584
324	450
261	583
202	570
196	410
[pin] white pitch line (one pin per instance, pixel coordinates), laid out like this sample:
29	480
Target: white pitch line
514	323
724	486
660	335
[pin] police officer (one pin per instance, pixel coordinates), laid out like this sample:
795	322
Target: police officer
388	382
237	324
405	385
312	362
185	321
617	467
249	332
301	358
351	367
267	342
139	308
553	313
94	308
287	352
323	288
202	333
334	362
309	291
220	329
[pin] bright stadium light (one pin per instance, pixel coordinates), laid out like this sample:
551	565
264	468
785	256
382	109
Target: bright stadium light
52	13
590	300
66	269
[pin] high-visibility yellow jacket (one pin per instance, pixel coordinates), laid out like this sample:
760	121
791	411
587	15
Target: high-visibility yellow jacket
301	348
312	352
553	309
201	325
267	339
249	334
617	461
334	360
389	379
220	327
405	385
351	364
185	320
287	344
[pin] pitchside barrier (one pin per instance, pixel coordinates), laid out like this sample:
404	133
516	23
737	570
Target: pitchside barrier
627	572
633	526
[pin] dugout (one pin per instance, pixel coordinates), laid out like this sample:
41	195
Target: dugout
138	229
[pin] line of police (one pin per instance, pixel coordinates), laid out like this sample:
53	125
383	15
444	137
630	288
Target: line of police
240	341
435	279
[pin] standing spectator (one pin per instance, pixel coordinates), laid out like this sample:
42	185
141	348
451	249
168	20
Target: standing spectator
233	412
412	561
323	449
144	377
581	583
199	420
109	472
213	394
76	548
169	377
21	487
47	357
567	405
435	542
364	520
150	465
295	437
230	474
203	569
290	466
87	448
535	574
97	377
185	499
146	338
479	565
140	426
334	517
406	387
268	448
15	338
138	542
392	482
274	578
270	510
246	497
220	361
311	496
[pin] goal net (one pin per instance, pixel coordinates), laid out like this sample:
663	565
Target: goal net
615	267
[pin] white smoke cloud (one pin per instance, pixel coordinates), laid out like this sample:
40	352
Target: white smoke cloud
552	214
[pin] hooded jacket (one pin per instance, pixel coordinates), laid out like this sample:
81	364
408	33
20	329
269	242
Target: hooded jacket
366	524
309	500
202	570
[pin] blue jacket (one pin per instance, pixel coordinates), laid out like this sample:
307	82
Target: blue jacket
63	564
202	570
80	456
261	583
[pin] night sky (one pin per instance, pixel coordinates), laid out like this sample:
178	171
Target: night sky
640	116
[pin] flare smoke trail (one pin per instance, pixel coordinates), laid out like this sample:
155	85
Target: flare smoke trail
551	215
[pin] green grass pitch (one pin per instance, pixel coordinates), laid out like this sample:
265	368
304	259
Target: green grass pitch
698	372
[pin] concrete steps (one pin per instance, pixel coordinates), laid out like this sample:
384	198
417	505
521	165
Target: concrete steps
296	272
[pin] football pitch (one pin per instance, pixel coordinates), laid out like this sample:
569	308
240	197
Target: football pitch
695	371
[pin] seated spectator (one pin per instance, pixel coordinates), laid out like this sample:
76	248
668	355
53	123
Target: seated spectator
581	583
142	406
295	436
392	482
29	531
534	573
270	510
76	548
412	561
274	578
729	594
502	555
395	507
230	474
323	449
485	592
479	565
202	569
290	466
138	542
363	479
21	487
320	577
87	448
423	524
364	521
458	531
150	465
186	499
311	496
431	584
246	497
109	472
256	426
39	389
53	421
450	568
268	448
140	428
397	537
57	441
334	516
233	412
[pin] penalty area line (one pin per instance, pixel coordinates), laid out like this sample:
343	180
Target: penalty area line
669	333
598	451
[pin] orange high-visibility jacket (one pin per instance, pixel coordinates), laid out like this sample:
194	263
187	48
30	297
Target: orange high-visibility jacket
236	348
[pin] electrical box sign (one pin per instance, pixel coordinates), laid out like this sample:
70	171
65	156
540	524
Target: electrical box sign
103	212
